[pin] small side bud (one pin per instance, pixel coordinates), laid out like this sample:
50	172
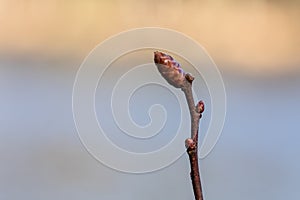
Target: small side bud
189	143
189	77
200	107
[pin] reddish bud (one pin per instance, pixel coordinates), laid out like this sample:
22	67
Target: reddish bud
200	107
189	77
189	142
169	69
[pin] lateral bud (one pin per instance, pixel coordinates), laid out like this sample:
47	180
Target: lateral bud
189	77
200	107
189	143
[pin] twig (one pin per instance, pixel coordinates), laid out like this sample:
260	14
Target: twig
192	143
174	75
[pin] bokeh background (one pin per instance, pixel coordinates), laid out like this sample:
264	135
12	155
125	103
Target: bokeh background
256	46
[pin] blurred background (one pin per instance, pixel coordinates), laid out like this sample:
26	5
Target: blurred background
256	46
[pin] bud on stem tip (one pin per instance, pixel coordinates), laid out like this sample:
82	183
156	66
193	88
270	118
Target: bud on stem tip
170	69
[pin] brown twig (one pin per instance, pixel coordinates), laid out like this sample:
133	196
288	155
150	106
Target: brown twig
192	143
175	76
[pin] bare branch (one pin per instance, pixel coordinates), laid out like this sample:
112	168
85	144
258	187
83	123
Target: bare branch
174	75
